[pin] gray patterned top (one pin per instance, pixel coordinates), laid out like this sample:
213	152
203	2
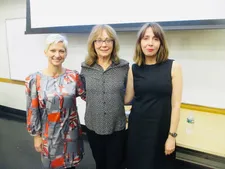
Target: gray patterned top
52	113
105	97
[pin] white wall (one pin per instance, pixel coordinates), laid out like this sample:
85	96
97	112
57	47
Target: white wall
8	9
10	95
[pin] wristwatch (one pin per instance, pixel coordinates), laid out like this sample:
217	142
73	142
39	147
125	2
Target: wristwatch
173	134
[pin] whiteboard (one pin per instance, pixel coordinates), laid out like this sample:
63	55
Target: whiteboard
120	12
201	54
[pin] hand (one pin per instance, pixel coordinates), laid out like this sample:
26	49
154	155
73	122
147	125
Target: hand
170	145
38	143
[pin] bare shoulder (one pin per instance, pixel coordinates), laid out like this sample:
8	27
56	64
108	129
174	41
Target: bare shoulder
176	68
176	65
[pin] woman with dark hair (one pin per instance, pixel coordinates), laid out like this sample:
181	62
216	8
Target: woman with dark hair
155	85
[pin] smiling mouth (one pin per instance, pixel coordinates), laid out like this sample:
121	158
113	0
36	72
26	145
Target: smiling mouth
56	60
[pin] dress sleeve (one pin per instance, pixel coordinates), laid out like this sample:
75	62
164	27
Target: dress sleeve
80	86
33	116
82	77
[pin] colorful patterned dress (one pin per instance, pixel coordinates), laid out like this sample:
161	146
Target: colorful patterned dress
52	113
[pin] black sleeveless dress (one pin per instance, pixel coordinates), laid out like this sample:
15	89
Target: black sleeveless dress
150	116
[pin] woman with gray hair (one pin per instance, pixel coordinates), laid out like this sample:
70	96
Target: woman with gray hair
52	117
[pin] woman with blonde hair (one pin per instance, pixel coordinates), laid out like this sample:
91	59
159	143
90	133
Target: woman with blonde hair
52	117
155	85
105	76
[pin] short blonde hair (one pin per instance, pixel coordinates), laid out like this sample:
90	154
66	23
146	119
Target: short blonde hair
55	38
95	32
163	52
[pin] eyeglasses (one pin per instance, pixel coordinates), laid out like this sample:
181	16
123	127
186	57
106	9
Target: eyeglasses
100	42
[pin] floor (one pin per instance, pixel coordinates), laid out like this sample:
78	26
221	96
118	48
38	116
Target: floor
17	152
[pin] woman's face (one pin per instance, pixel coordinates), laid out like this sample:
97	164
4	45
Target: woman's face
103	45
150	44
56	54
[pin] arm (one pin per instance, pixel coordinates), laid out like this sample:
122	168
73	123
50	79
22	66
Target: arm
176	96
129	94
33	117
177	85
